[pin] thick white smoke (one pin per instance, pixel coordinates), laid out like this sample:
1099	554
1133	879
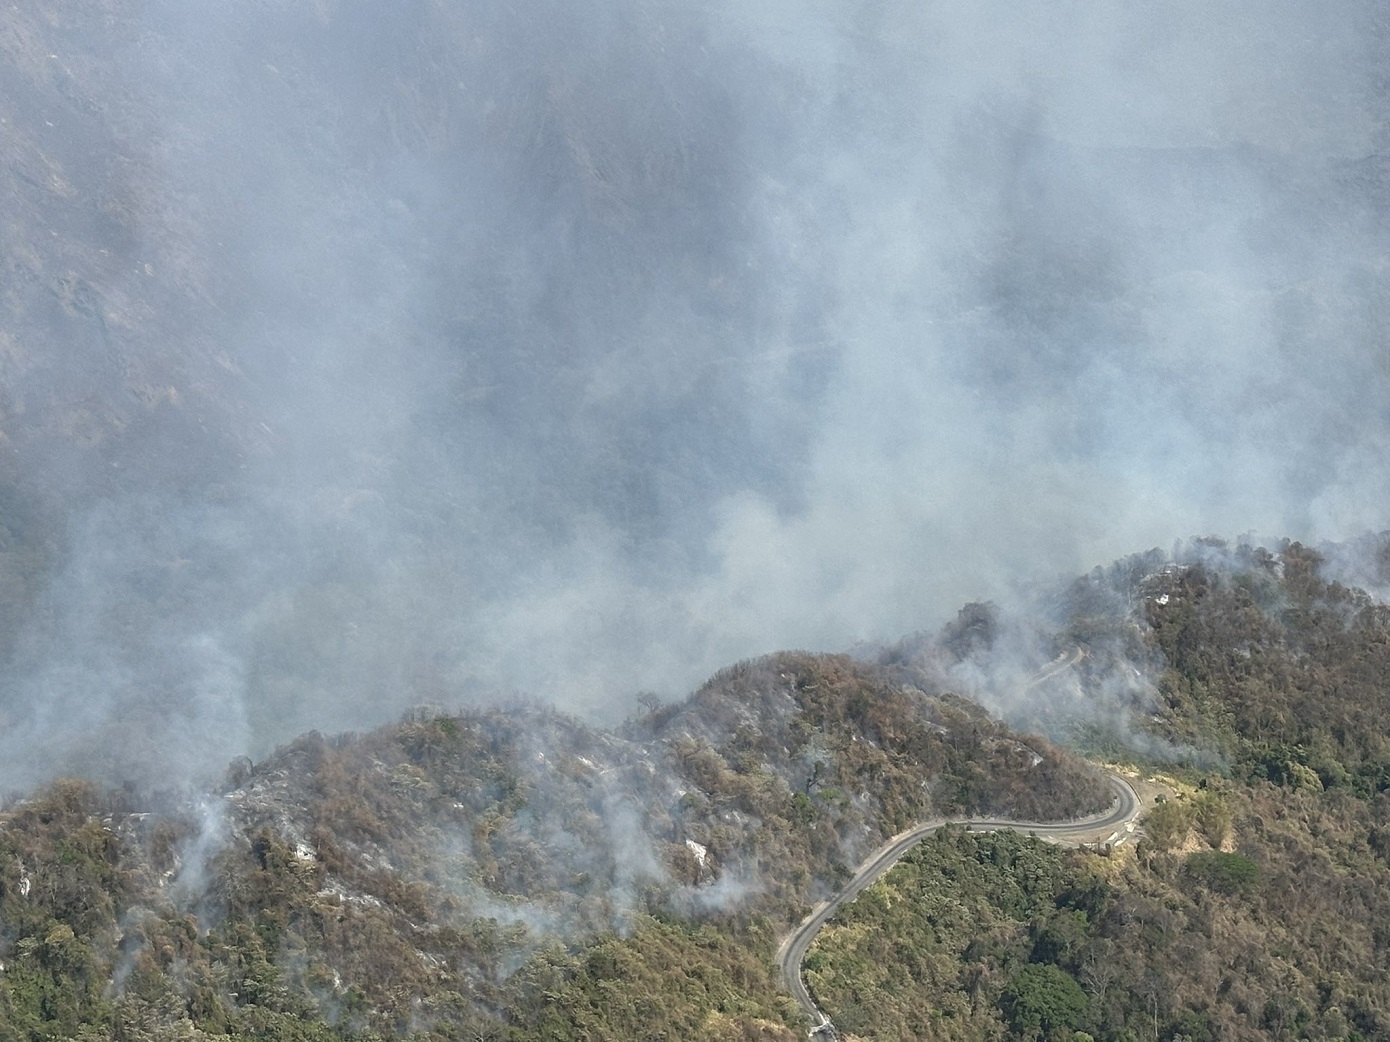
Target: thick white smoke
355	357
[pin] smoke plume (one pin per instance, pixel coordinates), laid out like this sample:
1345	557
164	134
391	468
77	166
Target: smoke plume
358	356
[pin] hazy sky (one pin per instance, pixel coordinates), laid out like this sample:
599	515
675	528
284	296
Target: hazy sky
441	349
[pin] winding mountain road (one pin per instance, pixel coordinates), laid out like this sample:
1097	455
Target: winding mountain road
1112	826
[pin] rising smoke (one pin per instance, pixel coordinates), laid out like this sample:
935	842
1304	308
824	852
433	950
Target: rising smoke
361	355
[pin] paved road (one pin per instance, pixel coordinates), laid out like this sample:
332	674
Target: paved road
1112	825
1060	664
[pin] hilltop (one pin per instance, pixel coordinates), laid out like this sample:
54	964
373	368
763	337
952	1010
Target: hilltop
425	877
513	873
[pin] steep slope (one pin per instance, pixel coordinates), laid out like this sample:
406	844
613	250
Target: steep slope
1255	906
1253	911
425	877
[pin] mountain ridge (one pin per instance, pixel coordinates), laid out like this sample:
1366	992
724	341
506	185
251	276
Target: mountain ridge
483	838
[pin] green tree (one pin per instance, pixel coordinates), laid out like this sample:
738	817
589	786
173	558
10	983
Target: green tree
1043	998
1224	873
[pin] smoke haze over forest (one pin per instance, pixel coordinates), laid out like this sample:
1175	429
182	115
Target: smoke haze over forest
359	355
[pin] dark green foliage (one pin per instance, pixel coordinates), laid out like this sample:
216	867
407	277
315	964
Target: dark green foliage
1042	997
937	939
1286	936
1224	873
1270	669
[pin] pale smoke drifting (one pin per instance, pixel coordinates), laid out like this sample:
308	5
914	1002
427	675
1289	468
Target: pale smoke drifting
585	350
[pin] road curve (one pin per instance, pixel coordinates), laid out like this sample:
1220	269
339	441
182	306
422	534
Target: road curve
1098	828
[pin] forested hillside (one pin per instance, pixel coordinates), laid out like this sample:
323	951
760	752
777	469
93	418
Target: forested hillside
1277	930
514	874
1256	905
471	380
506	874
1281	671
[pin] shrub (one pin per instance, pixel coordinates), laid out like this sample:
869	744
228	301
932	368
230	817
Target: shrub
1224	873
1043	997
